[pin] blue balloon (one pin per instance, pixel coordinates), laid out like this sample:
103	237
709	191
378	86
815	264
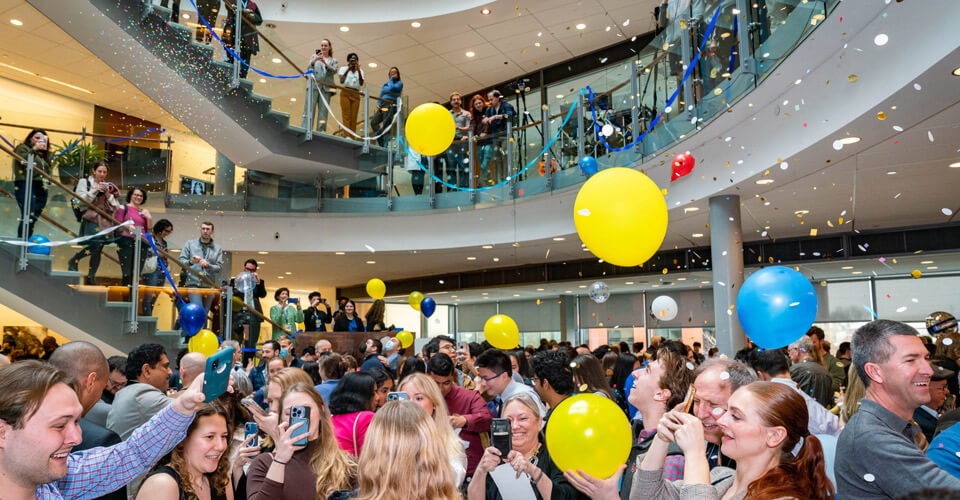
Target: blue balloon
427	306
776	306
38	249
192	318
588	165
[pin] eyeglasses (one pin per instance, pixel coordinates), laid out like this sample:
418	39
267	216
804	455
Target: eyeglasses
490	379
116	385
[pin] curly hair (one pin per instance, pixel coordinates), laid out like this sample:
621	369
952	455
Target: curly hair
220	478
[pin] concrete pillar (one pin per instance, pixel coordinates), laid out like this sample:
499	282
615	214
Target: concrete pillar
223	183
726	260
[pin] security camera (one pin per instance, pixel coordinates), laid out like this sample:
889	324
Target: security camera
283	5
276	236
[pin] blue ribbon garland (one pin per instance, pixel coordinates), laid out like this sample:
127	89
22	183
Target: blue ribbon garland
507	180
673	97
159	130
237	56
164	267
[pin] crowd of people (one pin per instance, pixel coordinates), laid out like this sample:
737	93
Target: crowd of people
384	422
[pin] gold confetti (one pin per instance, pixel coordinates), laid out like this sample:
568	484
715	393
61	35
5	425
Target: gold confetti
664	270
881	116
852	78
840	220
916	274
813	231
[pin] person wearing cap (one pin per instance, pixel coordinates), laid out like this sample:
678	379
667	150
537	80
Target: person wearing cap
926	415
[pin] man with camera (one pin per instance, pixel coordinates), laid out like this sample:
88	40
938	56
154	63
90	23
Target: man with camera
314	318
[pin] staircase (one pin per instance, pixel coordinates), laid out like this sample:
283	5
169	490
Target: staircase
51	298
183	77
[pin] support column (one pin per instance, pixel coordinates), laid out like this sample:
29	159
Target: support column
223	182
726	260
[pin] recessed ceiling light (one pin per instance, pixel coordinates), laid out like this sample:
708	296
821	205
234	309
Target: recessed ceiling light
581	26
371	262
415	24
764	181
956	72
955	165
263	80
931	268
559	238
484	293
857	272
16	22
341	253
344	29
471	258
582	286
260	262
288	273
568	291
372	64
697	235
516	295
496	259
681	279
470	53
628	283
74	87
277	60
293	99
559	96
487	247
453	296
850	140
845	268
892	172
539	289
926	262
484	12
691	209
279	277
264	253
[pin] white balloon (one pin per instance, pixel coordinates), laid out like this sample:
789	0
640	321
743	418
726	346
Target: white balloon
664	308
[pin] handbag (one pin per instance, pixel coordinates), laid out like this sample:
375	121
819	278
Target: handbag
355	448
150	265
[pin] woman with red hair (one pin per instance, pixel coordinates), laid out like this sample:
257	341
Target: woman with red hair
764	431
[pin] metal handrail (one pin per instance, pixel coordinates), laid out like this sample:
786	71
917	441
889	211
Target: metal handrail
168	140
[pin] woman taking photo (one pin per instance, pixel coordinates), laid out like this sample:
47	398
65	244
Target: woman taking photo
199	467
351	405
763	424
588	376
136	197
351	79
529	456
404	459
294	472
286	313
37	144
161	230
423	391
96	190
324	67
348	321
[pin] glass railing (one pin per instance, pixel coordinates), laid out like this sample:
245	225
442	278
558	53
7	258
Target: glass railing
640	106
106	263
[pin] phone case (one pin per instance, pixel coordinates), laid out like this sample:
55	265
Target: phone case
216	377
501	437
300	414
250	429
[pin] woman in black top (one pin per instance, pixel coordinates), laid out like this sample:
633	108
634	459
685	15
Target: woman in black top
199	467
348	321
528	456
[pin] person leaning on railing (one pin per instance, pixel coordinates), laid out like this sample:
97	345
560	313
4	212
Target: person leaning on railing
324	67
37	143
389	95
132	211
96	190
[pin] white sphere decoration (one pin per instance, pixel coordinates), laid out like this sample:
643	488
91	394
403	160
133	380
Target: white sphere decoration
664	308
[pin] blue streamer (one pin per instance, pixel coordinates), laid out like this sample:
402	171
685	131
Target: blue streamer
159	130
237	56
735	49
507	180
69	149
673	97
164	267
8	142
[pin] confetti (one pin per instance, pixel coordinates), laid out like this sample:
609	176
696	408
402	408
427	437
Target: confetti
901	309
916	274
898	128
868	478
691	367
881	116
947	341
946	211
917	86
717	411
881	40
915	301
585	212
724	375
852	78
838	145
930	135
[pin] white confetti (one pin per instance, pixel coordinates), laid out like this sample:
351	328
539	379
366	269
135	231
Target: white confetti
794	304
947	341
584	212
721	283
727	139
946	211
724	253
868	478
784	165
668	109
370	248
626	23
915	301
898	128
917	86
901	309
897	196
958	453
881	40
717	412
837	145
690	366
930	135
764	234
862	248
724	375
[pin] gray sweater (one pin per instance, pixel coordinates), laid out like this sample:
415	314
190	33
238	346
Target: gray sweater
650	484
212	253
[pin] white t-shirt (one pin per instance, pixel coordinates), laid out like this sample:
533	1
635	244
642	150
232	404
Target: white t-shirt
352	79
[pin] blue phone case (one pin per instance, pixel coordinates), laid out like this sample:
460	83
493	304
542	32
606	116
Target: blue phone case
300	414
250	429
216	377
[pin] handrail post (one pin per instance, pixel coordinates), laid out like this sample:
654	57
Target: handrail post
135	281
581	129
366	119
510	167
390	176
318	183
238	18
227	308
25	214
635	108
471	152
309	103
547	171
431	185
83	150
686	54
745	49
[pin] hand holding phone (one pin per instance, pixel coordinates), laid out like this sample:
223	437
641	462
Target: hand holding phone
216	377
250	432
301	415
501	436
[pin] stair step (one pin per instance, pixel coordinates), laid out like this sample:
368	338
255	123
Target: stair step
167	333
118	305
65	274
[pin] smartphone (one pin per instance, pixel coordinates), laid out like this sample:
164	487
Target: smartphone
250	429
688	401
463	346
216	377
300	414
398	396
252	406
501	437
294	300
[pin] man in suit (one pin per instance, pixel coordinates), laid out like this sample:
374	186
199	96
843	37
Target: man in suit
926	416
247	329
87	367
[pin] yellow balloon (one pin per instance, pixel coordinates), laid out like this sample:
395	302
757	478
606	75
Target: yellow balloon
430	129
405	338
205	342
621	216
414	300
376	289
589	432
502	332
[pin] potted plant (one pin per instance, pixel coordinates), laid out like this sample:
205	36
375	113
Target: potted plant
76	162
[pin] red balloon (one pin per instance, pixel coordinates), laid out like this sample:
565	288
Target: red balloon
682	165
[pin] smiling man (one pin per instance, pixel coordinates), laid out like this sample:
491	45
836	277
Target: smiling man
877	456
39	417
715	381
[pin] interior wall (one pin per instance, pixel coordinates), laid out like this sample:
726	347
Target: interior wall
9	317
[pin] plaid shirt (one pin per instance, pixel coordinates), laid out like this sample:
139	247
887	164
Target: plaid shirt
673	467
95	472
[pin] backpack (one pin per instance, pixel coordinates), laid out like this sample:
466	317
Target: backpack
79	207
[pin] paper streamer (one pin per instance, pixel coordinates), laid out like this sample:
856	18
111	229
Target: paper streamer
351	132
81	239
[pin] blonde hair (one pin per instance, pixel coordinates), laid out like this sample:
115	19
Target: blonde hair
855	391
404	457
288	377
441	417
334	468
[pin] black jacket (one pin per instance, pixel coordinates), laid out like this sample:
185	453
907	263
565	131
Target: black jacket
314	320
342	324
94	436
258	293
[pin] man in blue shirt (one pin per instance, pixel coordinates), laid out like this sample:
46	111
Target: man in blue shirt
258	375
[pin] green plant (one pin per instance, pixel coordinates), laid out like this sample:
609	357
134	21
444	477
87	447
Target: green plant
69	164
